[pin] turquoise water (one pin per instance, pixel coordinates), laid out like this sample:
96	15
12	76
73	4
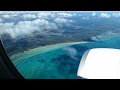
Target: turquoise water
61	63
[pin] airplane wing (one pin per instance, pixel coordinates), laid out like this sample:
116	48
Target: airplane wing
100	63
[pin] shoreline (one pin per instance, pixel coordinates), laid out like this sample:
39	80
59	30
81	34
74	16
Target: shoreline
44	49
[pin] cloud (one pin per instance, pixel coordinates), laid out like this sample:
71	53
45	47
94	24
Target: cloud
9	16
1	12
17	12
65	14
6	16
104	15
71	51
24	28
14	15
62	20
79	15
1	20
29	16
45	15
53	14
85	17
116	14
93	14
74	14
105	35
8	12
6	28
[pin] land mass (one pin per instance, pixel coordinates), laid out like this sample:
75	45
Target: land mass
49	38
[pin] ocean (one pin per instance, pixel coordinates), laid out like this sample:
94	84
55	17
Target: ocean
60	61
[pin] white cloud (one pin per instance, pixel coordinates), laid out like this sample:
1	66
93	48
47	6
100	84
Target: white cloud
74	14
72	52
116	14
6	16
93	14
45	15
54	14
85	17
29	16
62	20
12	12
24	28
66	14
1	12
104	15
13	15
6	28
18	12
9	16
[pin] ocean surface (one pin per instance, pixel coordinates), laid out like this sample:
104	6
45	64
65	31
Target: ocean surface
60	61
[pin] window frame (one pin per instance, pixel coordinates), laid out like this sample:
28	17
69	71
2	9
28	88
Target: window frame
8	65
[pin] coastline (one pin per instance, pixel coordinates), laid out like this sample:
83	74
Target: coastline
43	49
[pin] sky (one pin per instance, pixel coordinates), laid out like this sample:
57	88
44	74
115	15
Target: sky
21	23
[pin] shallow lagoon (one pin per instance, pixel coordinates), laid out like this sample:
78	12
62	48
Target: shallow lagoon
59	61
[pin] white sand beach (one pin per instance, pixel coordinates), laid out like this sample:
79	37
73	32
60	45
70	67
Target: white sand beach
42	49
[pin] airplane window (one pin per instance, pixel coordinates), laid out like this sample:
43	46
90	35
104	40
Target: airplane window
50	44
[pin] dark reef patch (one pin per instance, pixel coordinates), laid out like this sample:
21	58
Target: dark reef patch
80	48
